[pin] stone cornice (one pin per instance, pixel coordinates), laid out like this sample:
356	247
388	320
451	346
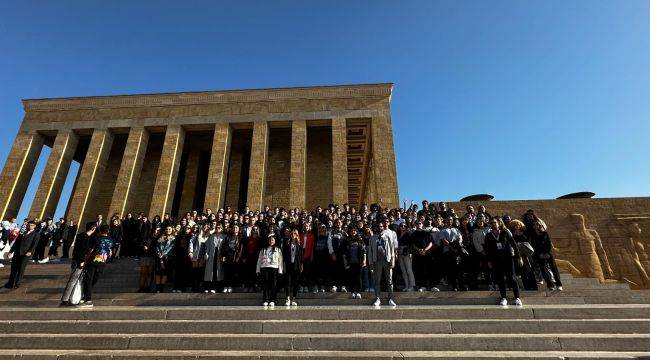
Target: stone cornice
208	97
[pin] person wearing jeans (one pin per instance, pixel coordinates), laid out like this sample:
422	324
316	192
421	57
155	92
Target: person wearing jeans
405	258
381	260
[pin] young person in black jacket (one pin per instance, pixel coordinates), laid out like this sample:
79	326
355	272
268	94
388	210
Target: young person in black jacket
22	249
501	251
292	252
544	256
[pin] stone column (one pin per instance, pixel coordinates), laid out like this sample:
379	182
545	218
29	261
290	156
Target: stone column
339	161
383	161
298	164
130	169
218	172
170	159
259	156
54	175
18	171
91	171
189	182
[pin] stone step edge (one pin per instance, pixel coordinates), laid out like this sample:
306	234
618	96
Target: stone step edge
438	320
343	336
300	354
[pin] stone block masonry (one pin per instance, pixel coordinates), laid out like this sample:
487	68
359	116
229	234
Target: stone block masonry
278	147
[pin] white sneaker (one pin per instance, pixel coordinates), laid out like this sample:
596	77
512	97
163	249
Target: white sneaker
354	295
391	303
44	261
229	290
213	291
358	296
333	289
559	288
504	302
288	302
206	291
518	302
224	291
272	304
265	304
294	303
2	265
315	291
435	289
343	289
422	289
377	302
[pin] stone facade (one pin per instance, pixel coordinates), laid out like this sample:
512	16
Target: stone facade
607	239
276	147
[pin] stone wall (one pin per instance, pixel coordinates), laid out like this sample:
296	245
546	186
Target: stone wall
144	189
622	225
318	185
278	168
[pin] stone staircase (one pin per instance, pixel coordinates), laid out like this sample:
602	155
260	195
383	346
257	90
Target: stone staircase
587	320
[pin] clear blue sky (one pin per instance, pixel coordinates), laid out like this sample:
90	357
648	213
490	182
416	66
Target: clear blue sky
520	99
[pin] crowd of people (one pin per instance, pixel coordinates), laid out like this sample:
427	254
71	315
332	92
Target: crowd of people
335	249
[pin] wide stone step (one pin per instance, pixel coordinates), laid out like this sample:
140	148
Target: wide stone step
310	354
340	342
610	311
420	326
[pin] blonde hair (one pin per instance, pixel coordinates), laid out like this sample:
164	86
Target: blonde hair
517	224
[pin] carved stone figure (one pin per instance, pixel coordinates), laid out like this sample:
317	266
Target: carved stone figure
635	254
585	250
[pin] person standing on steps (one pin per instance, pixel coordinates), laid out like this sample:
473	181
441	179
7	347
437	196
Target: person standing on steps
292	254
22	249
94	264
80	253
502	251
269	265
381	260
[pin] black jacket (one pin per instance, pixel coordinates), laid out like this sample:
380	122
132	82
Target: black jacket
83	247
286	256
541	243
26	243
501	248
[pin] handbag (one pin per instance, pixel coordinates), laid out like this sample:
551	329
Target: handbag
525	248
75	296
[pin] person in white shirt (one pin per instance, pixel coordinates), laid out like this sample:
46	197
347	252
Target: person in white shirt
381	260
269	264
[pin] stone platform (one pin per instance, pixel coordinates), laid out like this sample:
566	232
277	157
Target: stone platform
587	320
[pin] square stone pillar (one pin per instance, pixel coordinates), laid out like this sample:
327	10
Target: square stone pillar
189	182
18	171
298	164
170	159
383	161
54	175
130	169
339	161
259	157
91	172
215	193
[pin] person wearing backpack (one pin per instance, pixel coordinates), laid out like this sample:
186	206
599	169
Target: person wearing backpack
99	252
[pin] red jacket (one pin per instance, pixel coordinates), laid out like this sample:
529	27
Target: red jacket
307	240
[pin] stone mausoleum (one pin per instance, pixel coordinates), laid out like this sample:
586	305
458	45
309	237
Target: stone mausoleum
288	147
171	153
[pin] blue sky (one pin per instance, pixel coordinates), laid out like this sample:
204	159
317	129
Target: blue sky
520	99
